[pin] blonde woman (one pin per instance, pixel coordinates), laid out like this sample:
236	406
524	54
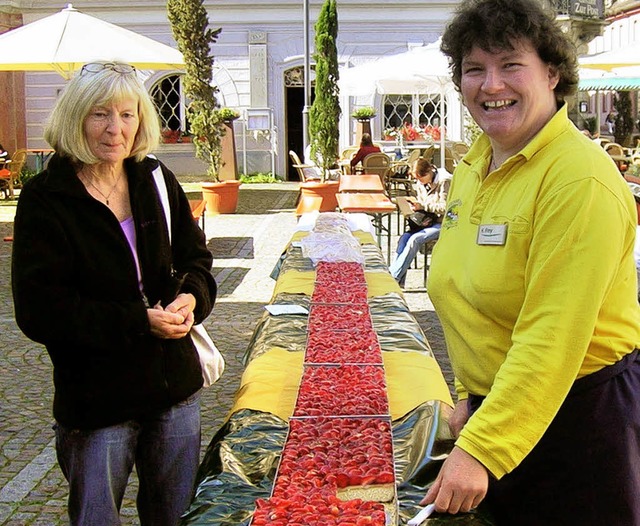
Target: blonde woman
97	282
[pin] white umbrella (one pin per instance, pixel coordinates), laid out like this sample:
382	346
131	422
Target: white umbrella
64	42
420	70
610	60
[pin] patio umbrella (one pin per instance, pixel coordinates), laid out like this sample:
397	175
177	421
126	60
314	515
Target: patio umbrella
610	60
420	70
619	79
65	41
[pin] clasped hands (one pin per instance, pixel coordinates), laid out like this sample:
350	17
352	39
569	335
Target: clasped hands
175	320
463	481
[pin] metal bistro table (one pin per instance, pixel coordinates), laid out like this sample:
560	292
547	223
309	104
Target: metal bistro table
376	205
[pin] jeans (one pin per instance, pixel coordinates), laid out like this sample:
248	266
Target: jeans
165	448
408	246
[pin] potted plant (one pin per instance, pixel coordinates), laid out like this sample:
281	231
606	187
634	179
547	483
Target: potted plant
324	115
364	113
229	162
363	117
624	119
190	26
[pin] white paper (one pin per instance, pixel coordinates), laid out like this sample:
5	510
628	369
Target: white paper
277	309
422	515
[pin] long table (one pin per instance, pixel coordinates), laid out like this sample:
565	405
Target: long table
242	459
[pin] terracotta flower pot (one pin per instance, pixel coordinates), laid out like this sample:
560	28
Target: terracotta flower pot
222	197
318	196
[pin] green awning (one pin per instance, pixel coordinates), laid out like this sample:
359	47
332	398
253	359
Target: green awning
610	83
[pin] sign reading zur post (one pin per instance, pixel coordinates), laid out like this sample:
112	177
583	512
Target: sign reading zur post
587	8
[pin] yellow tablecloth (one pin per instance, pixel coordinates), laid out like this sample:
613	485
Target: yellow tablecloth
270	382
302	282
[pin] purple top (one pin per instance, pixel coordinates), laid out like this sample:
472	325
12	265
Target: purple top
130	233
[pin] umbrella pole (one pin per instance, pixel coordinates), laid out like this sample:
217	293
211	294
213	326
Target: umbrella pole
442	128
598	111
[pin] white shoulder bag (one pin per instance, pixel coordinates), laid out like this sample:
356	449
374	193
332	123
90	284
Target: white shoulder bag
211	360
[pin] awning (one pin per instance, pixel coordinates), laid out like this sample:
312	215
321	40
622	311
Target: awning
610	83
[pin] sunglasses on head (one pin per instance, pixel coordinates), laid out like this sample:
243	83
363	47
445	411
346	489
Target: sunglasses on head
96	67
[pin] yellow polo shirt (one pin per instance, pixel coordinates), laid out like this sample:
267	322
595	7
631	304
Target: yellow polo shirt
534	281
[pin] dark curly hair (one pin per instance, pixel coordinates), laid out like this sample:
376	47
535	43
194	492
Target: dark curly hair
498	25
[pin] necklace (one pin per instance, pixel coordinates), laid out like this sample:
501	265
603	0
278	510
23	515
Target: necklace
106	197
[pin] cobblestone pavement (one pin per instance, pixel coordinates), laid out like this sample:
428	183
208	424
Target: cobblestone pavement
246	246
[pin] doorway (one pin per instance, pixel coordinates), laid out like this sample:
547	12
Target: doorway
294	104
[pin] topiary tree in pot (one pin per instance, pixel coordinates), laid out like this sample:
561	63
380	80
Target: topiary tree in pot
324	115
624	119
190	26
363	116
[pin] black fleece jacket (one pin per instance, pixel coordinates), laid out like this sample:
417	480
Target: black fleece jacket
75	290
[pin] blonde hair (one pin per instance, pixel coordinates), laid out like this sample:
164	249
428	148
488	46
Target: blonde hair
64	130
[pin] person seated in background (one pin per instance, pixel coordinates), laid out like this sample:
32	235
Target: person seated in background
432	186
366	147
4	171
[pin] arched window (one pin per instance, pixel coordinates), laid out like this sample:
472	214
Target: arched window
169	100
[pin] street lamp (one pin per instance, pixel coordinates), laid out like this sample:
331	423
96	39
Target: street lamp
307	79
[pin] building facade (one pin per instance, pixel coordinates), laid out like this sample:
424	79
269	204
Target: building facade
259	70
622	29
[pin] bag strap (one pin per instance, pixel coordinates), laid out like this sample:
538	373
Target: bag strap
163	193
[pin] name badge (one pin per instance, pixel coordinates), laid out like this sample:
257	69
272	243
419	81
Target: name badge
492	234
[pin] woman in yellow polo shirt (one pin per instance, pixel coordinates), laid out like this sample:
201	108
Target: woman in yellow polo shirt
534	281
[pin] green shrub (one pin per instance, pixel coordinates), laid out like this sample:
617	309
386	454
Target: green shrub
258	177
26	174
228	114
366	112
591	124
634	169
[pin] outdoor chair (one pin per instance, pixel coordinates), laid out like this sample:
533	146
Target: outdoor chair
459	149
601	141
428	153
617	153
413	156
400	175
10	173
613	148
450	160
348	152
307	172
379	164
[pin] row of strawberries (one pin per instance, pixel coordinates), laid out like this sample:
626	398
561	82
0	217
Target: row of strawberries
340	434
